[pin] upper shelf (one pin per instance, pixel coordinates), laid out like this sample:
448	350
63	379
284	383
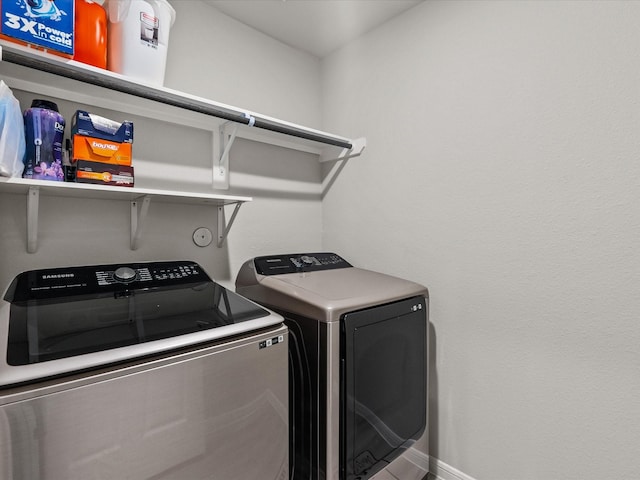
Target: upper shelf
36	62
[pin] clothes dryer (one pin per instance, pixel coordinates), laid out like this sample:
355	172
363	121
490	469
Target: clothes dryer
357	361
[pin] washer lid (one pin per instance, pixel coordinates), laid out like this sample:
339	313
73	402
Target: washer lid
66	319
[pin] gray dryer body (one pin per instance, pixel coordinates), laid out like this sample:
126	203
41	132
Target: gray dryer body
358	360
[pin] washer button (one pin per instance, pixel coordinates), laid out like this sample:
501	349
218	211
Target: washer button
125	274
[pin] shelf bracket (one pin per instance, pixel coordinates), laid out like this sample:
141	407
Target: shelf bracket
356	150
221	164
223	226
340	161
33	201
139	209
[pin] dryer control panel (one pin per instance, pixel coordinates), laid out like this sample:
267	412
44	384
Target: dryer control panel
299	262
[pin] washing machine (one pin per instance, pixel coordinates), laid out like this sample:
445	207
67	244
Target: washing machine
138	371
357	361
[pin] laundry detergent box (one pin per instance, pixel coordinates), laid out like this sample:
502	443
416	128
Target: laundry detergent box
104	174
92	125
100	150
45	24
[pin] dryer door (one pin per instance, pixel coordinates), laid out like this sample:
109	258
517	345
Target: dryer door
384	379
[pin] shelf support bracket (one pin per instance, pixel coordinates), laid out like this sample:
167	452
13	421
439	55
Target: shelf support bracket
356	150
33	201
221	164
340	161
139	209
223	226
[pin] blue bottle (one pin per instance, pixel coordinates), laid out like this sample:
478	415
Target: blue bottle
44	131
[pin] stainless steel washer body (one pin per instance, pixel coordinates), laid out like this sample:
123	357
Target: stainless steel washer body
147	370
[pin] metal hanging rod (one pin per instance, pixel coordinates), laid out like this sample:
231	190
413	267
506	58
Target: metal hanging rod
294	132
40	62
67	70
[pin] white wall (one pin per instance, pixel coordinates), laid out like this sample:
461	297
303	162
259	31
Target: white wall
502	172
212	56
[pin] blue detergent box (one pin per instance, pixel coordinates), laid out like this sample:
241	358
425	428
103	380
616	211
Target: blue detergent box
91	125
44	23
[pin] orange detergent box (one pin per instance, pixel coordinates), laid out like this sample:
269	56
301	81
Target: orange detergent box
99	150
104	174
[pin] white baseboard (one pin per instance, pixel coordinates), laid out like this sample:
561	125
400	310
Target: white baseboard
418	458
437	469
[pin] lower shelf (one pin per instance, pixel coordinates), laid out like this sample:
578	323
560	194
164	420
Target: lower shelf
140	199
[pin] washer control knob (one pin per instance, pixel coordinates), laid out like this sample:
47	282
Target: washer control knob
125	274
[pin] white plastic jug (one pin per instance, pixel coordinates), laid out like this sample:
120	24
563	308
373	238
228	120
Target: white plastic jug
139	38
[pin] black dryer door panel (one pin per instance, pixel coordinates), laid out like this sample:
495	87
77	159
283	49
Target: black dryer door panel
383	379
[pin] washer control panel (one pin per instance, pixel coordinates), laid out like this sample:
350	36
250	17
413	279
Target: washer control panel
100	279
162	273
299	262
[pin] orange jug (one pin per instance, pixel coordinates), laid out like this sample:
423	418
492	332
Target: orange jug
90	33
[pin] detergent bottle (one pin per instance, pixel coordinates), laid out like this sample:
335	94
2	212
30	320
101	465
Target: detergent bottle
139	37
90	33
44	131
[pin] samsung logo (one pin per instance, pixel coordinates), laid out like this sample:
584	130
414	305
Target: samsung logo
57	275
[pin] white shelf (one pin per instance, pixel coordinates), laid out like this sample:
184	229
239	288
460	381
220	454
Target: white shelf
31	70
109	192
49	74
140	199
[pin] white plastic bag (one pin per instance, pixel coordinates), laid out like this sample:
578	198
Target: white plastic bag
12	143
